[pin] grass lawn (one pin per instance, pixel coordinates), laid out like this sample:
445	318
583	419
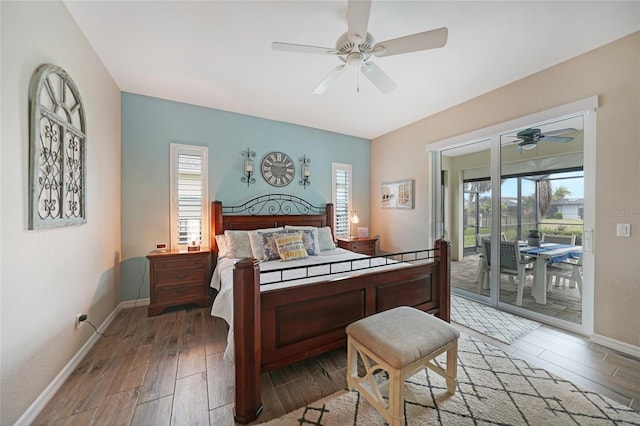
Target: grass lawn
549	226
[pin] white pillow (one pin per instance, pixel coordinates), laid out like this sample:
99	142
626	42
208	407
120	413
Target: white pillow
325	239
238	244
255	240
314	248
221	242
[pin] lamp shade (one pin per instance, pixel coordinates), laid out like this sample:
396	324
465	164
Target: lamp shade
354	217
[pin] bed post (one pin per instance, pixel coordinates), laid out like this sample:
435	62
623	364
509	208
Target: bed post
331	217
443	249
246	325
216	223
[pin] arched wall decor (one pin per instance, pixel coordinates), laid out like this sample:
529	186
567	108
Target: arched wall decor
57	138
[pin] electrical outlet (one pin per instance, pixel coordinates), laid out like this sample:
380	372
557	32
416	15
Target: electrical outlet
80	319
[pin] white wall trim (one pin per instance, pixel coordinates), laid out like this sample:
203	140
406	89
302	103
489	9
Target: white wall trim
570	109
623	347
134	303
36	407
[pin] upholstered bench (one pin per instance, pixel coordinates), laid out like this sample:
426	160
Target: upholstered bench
399	341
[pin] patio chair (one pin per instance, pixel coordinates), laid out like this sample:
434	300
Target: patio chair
568	271
481	261
511	264
559	239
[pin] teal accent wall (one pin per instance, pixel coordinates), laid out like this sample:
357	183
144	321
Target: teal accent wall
149	125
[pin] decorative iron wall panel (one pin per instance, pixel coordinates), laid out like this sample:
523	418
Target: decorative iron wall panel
57	150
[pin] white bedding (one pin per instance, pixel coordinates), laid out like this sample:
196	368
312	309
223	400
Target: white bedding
222	279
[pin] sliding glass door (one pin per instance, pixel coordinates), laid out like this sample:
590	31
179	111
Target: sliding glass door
519	199
542	193
466	194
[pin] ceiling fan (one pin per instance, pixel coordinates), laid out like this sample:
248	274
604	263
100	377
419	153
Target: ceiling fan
529	138
356	46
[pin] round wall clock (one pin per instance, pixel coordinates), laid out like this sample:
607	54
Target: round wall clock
278	169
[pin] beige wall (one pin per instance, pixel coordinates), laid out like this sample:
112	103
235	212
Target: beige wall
613	73
48	276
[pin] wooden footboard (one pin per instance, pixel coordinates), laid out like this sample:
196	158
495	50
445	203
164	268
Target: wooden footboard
279	327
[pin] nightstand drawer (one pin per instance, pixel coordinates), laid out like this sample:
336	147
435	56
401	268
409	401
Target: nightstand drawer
179	276
179	292
169	264
363	246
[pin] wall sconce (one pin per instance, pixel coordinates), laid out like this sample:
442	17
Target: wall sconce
304	171
354	221
248	156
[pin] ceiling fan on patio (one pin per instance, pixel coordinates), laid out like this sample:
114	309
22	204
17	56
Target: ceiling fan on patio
529	138
357	46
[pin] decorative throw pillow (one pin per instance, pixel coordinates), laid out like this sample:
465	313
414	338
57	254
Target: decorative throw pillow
269	247
221	242
290	246
310	239
238	244
256	241
325	239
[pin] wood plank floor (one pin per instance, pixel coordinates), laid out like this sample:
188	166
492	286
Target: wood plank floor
169	370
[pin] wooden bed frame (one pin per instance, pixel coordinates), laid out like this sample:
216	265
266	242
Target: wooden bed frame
274	328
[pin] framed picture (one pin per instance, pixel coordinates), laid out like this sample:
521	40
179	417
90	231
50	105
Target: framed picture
397	195
362	232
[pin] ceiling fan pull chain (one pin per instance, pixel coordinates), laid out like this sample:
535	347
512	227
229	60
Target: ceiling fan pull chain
357	81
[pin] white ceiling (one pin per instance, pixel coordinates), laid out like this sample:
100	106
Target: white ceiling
218	53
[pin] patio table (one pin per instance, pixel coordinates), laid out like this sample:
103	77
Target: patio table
548	253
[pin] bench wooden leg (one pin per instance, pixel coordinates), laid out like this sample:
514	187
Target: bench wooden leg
452	368
352	363
396	398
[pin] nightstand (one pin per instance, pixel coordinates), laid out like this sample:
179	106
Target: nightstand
359	245
178	277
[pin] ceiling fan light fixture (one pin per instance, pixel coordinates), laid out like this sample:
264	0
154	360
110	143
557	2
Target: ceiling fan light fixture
355	58
528	146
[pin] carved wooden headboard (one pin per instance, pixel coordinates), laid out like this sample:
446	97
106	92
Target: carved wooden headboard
268	211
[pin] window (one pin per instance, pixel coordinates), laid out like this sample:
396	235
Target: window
341	184
189	195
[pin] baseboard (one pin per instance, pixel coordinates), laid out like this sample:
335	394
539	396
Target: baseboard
134	303
36	407
619	346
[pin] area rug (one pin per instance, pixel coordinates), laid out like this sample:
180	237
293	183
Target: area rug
489	321
493	389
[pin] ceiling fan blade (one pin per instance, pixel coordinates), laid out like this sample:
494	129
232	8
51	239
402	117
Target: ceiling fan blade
421	41
378	77
290	47
547	138
560	132
358	19
329	79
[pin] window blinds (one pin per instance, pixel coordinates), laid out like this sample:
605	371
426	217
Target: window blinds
189	198
342	198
